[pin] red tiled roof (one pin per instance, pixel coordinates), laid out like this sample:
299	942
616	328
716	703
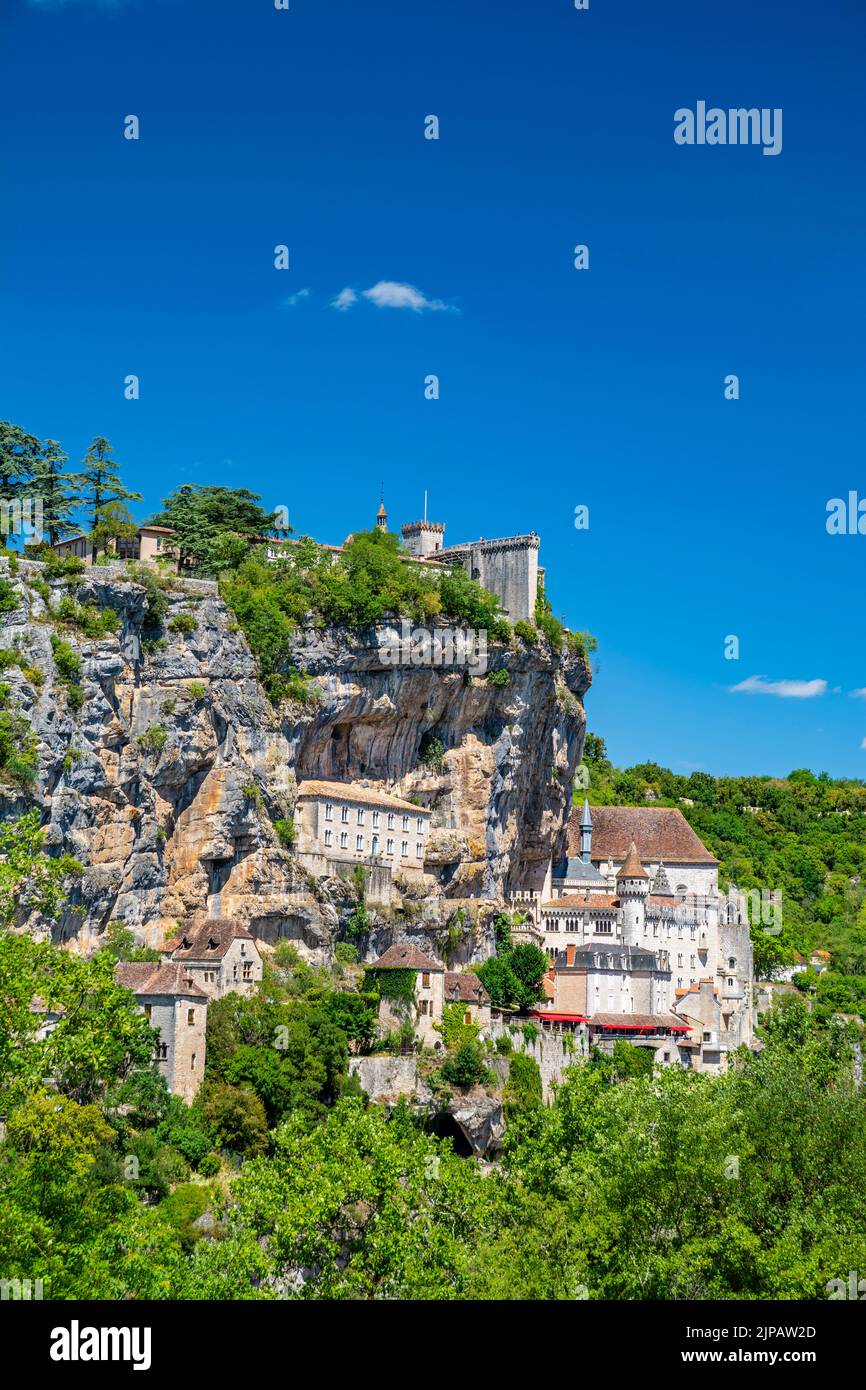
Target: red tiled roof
405	955
207	940
659	832
632	868
465	986
151	978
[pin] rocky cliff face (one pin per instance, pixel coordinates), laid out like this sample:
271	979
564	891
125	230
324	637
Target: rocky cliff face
168	779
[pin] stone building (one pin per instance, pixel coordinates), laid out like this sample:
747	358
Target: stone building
429	993
506	566
220	956
149	543
635	925
175	1005
340	824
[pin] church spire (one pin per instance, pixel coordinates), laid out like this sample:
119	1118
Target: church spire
585	832
382	515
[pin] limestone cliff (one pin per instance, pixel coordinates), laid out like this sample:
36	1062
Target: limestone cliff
168	779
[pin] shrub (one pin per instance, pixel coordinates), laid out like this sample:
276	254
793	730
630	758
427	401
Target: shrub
183	623
499	678
9	599
62	566
196	690
526	632
285	829
504	1045
19	750
346	953
93	621
466	1068
210	1165
66	659
153	740
551	627
35	676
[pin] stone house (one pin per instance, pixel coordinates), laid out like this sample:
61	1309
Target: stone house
220	956
429	993
341	824
175	1005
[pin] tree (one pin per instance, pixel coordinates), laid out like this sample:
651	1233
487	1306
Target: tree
213	526
529	965
18	454
100	481
31	881
58	490
116	522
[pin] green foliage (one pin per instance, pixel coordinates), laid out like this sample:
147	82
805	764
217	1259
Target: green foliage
156	598
526	632
153	740
101	487
196	690
119	943
513	977
466	1067
499	677
397	986
371	579
431	752
455	1031
10	599
92	621
214	526
346	953
66	659
551	627
31	880
184	623
285	830
19	747
62	566
523	1091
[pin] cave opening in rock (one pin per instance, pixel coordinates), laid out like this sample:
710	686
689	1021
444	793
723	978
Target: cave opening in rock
444	1126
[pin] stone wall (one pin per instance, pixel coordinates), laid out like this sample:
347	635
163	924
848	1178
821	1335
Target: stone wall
384	1078
554	1052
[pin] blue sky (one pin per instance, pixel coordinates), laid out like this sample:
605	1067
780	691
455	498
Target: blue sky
557	387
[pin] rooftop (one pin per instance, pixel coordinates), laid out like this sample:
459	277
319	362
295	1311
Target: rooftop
362	796
207	940
659	832
405	955
149	978
463	985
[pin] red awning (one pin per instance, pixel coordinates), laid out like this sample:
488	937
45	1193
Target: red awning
559	1018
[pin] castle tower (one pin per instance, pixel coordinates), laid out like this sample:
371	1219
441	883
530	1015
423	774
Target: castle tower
661	884
423	538
632	888
382	517
585	832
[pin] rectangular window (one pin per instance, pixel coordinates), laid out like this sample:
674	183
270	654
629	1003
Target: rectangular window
405	822
329	836
419	850
248	970
390	847
344	814
420	825
329	810
405	848
375	820
390	820
359	842
425	979
190	1018
360	815
344	840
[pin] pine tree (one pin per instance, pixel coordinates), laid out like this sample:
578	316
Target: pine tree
101	483
57	490
18	454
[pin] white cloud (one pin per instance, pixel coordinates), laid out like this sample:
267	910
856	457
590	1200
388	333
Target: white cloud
783	690
296	298
858	694
390	294
344	300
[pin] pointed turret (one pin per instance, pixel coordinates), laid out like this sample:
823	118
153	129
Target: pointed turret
632	868
585	832
661	884
382	517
